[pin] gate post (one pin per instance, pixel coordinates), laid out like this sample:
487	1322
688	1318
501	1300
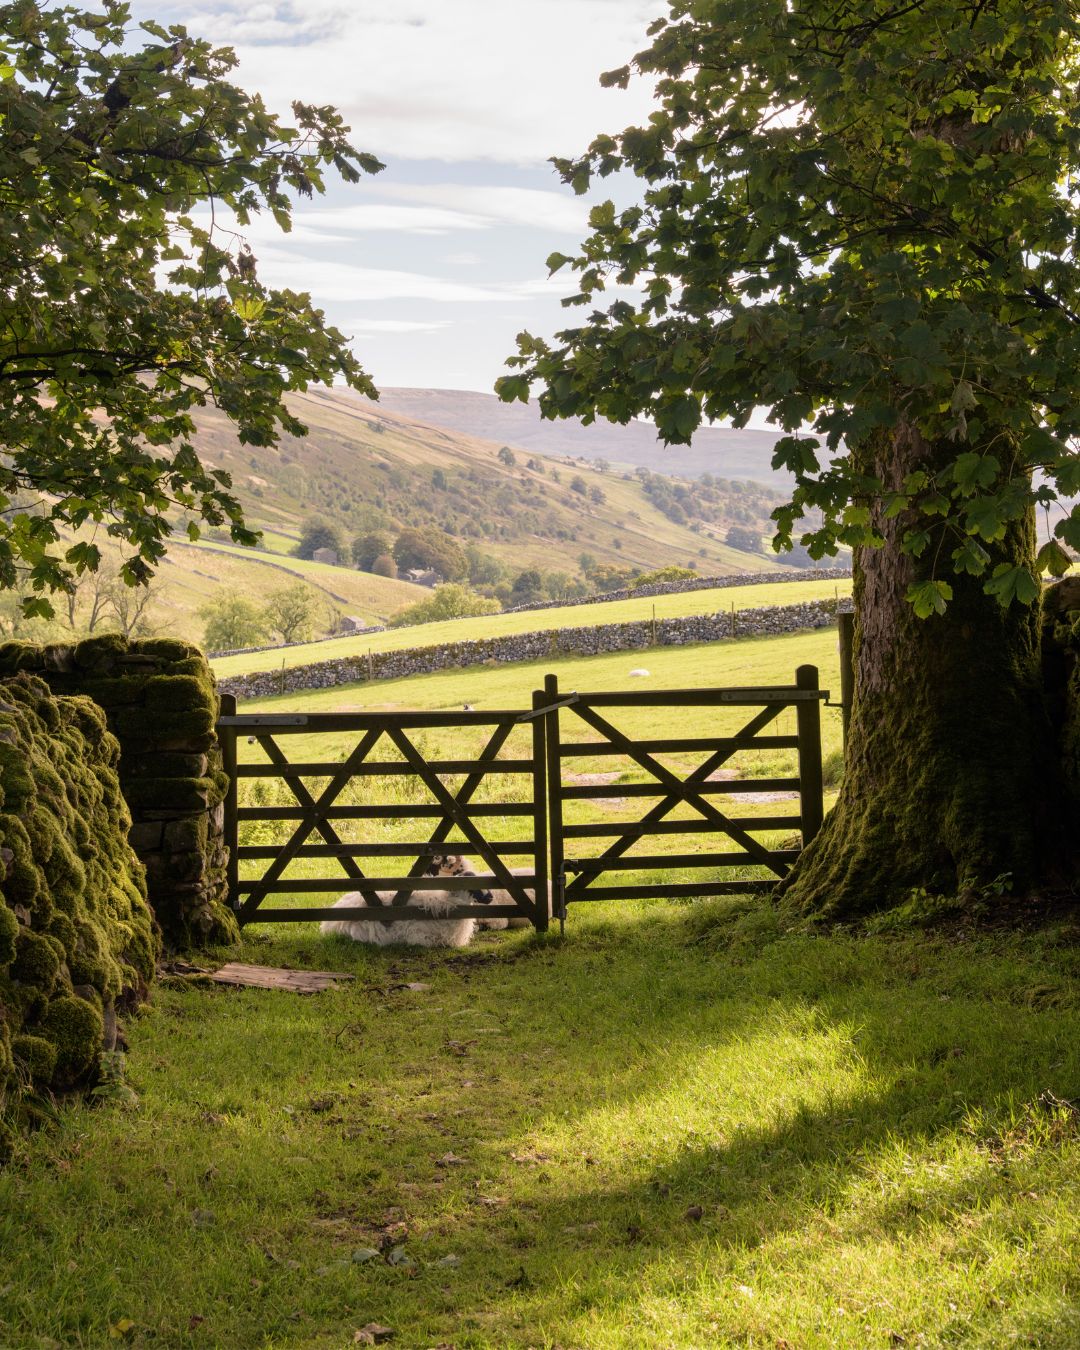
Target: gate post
811	788
540	809
227	740
554	784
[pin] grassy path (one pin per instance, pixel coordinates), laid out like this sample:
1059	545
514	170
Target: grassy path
676	1127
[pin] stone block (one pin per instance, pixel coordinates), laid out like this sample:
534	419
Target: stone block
146	836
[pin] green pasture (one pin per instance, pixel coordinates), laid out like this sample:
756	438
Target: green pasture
684	1124
569	616
677	1127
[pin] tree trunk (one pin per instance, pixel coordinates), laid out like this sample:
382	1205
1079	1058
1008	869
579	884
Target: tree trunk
950	779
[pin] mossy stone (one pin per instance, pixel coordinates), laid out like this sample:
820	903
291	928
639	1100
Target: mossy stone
9	931
71	875
169	649
36	1055
37	961
76	1028
100	653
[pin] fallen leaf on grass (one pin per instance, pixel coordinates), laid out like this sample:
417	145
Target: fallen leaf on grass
362	1254
372	1334
451	1261
532	1157
450	1160
459	1048
195	1320
121	1331
694	1213
398	1256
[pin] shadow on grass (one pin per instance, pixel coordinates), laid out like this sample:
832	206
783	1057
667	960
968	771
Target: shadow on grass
663	1094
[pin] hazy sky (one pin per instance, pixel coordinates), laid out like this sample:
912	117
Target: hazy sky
436	263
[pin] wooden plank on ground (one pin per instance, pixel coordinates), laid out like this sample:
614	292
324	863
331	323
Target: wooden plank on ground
272	977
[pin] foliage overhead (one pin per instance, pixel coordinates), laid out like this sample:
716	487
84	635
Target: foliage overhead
863	218
124	306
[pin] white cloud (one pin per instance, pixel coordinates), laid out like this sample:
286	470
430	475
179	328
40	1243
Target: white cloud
532	207
507	80
343	221
359	327
346	283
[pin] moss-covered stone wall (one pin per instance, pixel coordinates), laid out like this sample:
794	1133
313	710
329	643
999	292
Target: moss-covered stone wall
77	937
159	699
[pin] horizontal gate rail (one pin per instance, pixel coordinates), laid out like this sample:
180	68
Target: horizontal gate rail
690	793
720	788
316	785
376	850
591	748
691	804
748	823
382	768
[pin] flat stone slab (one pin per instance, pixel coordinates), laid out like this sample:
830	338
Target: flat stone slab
277	977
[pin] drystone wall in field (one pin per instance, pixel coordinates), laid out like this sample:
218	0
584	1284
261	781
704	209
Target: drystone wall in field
159	699
597	640
77	937
696	584
627	593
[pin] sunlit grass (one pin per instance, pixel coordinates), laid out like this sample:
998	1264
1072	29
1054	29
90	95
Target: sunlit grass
674	1127
679	605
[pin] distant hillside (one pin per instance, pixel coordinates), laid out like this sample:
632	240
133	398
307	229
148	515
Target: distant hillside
366	468
725	454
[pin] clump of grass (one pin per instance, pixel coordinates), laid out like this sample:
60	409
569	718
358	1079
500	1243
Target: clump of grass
679	1128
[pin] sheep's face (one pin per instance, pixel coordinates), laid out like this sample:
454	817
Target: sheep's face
450	865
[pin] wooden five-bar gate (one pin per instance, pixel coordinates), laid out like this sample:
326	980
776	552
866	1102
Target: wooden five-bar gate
565	860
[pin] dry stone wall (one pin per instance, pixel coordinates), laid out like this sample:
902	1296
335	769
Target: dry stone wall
597	640
160	702
696	584
77	938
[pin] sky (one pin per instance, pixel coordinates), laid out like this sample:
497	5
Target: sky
432	266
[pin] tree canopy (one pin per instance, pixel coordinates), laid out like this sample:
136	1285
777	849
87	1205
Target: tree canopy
859	217
125	302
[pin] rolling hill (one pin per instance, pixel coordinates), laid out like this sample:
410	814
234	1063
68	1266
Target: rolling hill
365	467
722	452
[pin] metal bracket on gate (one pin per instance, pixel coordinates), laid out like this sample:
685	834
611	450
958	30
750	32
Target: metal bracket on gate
550	707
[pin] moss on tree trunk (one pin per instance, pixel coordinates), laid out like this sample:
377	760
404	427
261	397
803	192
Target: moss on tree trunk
950	776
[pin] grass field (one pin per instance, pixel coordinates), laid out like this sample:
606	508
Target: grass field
676	1127
569	616
683	1125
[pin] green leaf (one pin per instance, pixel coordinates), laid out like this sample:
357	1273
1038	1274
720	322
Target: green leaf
1053	558
557	260
512	387
1007	584
972	472
929	597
